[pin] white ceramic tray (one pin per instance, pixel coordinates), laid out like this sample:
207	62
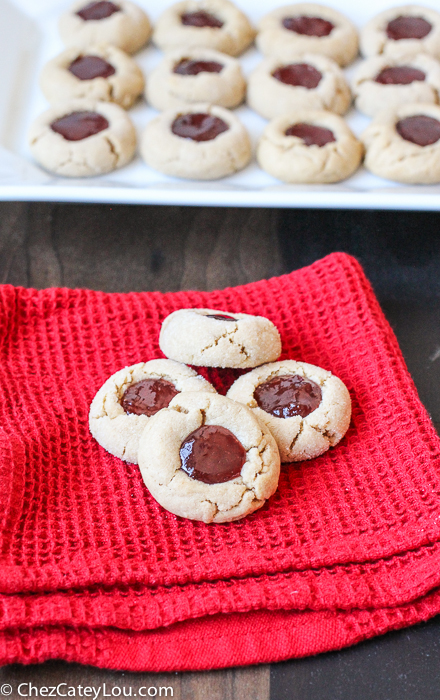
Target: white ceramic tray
29	37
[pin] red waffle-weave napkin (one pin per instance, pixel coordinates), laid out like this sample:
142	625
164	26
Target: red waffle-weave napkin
94	570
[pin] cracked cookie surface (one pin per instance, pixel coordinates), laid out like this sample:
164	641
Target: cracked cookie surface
289	158
390	155
119	432
59	82
375	39
232	32
128	27
217	157
217	338
277	40
272	97
422	85
170	87
107	150
161	467
299	438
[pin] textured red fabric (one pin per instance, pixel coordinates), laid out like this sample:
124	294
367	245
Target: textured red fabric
92	569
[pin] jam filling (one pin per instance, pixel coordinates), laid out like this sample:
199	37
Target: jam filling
221	317
91	67
419	129
288	395
189	67
310	26
198	127
79	125
201	19
147	397
407	27
98	10
399	75
212	454
311	135
298	74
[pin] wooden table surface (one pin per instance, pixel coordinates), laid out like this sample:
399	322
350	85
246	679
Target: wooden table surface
134	248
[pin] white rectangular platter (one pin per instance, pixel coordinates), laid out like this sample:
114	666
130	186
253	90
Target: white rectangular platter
29	38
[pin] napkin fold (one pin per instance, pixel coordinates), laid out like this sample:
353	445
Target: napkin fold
93	570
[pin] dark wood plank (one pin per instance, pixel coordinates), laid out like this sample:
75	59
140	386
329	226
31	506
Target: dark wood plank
230	684
403	665
136	248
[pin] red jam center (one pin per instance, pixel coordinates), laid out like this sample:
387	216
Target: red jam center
399	75
201	19
91	67
79	125
311	135
310	26
419	129
198	127
98	10
189	67
288	395
147	397
221	317
408	28
212	454
298	74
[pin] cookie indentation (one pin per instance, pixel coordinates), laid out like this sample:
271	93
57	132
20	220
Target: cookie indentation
98	10
399	75
298	74
79	125
310	26
212	454
288	395
407	27
198	127
91	67
310	134
147	397
419	129
221	317
201	19
189	67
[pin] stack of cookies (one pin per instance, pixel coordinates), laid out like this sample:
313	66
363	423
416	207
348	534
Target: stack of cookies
209	457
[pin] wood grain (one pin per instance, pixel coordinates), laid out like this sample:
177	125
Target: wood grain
135	248
251	683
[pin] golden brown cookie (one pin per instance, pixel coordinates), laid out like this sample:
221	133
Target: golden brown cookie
404	144
402	31
208	458
102	73
123	24
215	338
309	147
383	82
197	141
129	398
307	28
212	24
307	81
188	76
306	408
82	138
